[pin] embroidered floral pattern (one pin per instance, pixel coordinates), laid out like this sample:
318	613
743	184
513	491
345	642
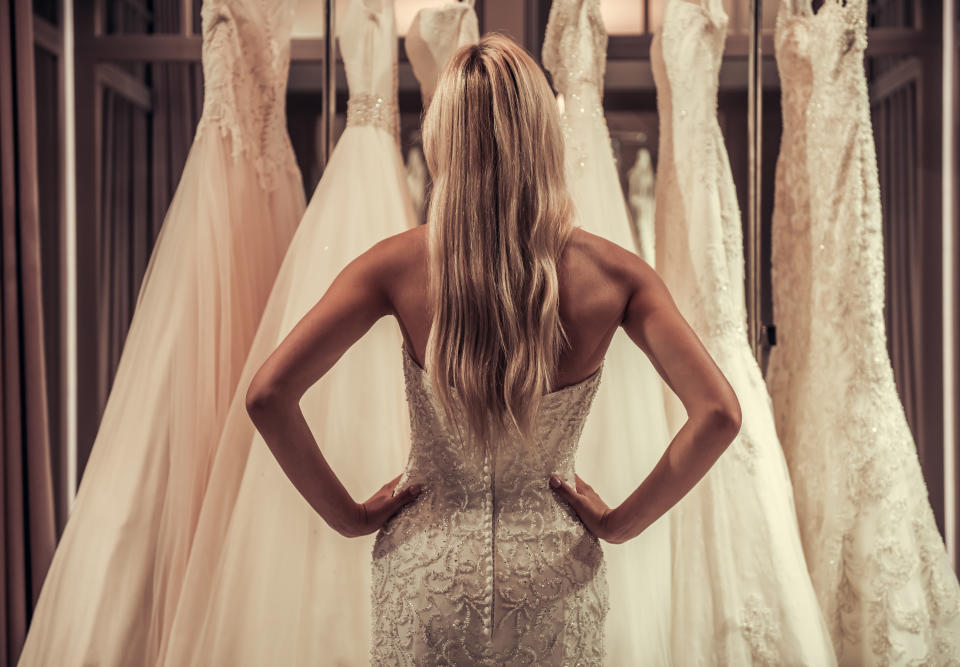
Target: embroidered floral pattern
488	566
877	561
245	64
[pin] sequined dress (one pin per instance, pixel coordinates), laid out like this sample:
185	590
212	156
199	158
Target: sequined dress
882	575
114	582
741	591
268	582
488	566
626	432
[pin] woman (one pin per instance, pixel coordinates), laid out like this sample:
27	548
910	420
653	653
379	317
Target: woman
510	310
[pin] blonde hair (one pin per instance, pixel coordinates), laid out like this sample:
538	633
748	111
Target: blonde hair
499	216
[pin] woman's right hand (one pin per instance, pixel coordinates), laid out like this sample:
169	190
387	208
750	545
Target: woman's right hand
381	506
593	512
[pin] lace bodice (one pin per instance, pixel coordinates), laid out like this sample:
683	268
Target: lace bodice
367	35
434	36
518	574
246	58
699	234
876	558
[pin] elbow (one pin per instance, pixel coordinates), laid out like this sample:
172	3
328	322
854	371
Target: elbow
727	419
722	420
261	397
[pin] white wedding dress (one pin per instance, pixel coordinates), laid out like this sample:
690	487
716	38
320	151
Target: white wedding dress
741	591
111	589
626	432
878	563
268	582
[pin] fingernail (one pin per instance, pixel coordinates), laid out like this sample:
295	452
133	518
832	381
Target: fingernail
554	481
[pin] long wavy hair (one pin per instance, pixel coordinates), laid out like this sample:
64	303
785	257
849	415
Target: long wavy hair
499	217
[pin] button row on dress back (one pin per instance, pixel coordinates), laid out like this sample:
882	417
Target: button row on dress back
371	109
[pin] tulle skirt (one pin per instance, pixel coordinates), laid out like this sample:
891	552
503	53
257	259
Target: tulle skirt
269	583
115	577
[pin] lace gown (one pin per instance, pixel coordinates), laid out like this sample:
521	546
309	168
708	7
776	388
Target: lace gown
878	564
626	432
268	582
115	578
741	591
488	566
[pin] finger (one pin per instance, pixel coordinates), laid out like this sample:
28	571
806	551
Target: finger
392	484
408	495
582	487
566	491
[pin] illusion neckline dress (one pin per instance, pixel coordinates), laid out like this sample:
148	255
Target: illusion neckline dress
626	432
115	579
878	563
489	566
741	590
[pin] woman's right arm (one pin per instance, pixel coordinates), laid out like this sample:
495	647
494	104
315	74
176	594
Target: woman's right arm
654	323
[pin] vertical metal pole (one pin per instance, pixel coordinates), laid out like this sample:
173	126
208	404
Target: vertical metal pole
949	245
754	97
69	251
329	81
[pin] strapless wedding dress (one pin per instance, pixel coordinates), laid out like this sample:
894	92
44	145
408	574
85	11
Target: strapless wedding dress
488	566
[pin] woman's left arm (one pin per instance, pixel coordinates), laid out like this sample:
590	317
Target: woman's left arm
355	300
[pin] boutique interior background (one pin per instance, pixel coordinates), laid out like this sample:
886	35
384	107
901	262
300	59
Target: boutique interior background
100	99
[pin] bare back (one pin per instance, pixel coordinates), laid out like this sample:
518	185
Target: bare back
596	278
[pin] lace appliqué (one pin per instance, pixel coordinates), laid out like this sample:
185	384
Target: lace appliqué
489	566
877	561
245	65
762	632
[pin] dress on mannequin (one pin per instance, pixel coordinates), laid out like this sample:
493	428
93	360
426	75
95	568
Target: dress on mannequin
741	591
113	584
879	567
626	432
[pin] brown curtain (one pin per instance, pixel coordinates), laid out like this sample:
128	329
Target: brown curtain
143	155
27	520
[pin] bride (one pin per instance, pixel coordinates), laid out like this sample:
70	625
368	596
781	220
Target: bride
487	550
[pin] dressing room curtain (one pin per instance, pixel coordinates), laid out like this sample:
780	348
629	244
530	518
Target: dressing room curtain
27	520
143	154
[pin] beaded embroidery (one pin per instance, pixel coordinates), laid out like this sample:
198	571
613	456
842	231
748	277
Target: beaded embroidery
488	566
876	558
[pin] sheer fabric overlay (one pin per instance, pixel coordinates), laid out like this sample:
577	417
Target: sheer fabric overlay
116	577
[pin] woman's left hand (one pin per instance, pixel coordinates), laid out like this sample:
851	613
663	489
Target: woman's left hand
382	505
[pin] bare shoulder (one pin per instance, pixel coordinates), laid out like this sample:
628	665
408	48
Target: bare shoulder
398	252
600	261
